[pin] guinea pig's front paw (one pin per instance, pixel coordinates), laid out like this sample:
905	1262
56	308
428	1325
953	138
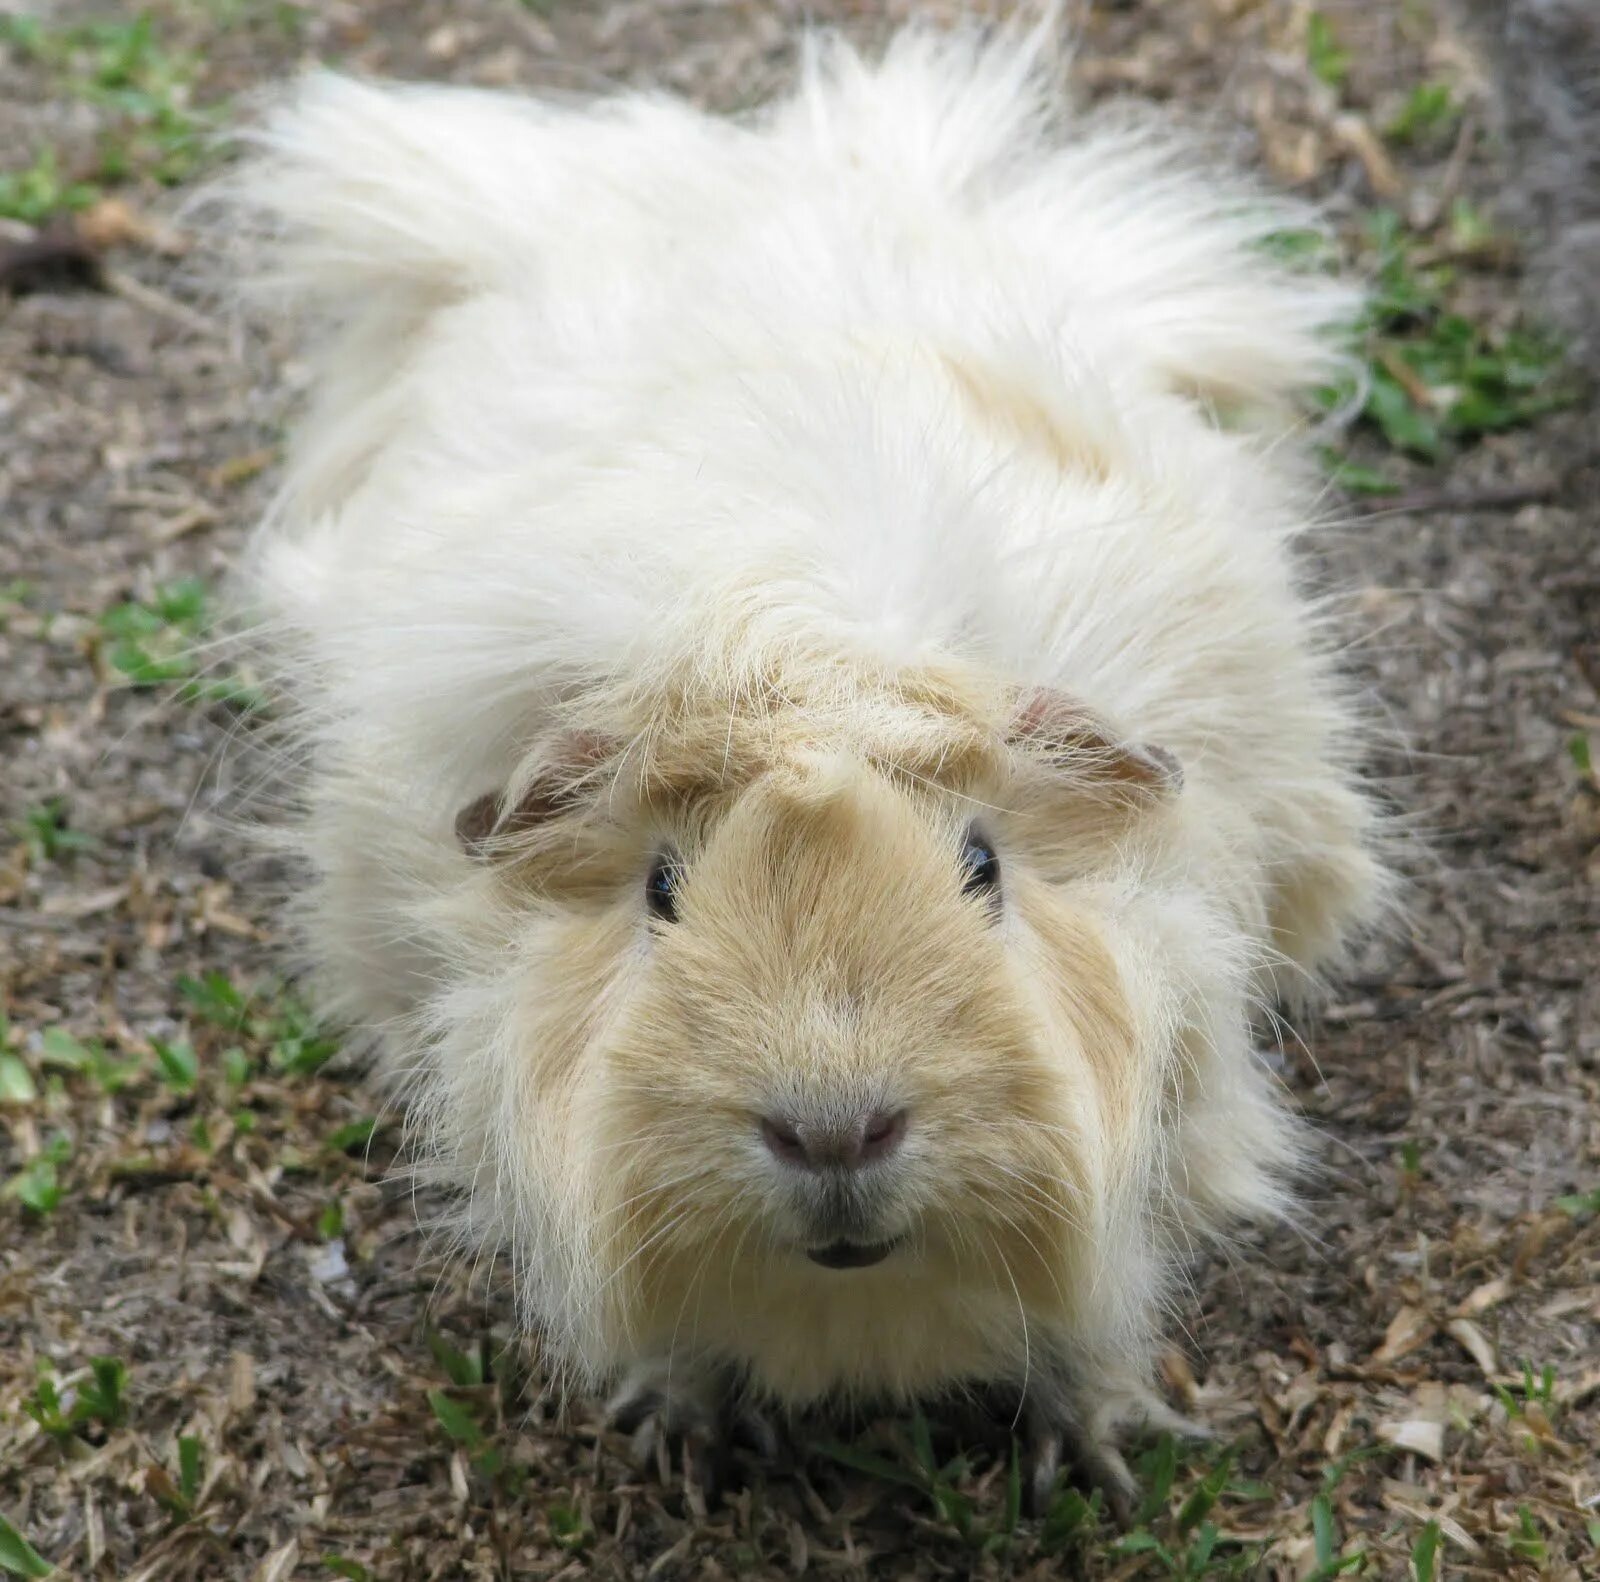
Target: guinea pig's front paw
1060	1426
692	1418
1057	1435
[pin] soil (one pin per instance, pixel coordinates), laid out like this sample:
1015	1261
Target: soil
1454	1081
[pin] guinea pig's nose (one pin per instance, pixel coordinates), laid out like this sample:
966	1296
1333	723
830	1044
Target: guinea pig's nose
834	1145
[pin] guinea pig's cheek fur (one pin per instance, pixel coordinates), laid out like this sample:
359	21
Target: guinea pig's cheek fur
1078	989
676	1184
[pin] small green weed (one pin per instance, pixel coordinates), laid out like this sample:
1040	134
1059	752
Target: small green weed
1471	231
1537	1390
1071	1518
460	1421
16	1080
1475	383
476	1405
97	1399
1433	377
40	190
1581	1204
1354	476
1329	62
1527	1542
352	1570
466	1370
1410	1167
179	1064
1305	247
60	1050
1544	1389
918	1468
152	642
1429	112
46	832
353	1136
179	1496
568	1527
1330	1561
215	998
38	1185
1424	1553
156	642
1188	1546
1172	1527
144	89
277	1019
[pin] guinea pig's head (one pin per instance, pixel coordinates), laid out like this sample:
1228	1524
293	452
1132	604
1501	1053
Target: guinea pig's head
825	1018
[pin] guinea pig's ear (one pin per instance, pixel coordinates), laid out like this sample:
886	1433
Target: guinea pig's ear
1059	728
487	827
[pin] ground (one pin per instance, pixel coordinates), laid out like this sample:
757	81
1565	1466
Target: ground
224	1350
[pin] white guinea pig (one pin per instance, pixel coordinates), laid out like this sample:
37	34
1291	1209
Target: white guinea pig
814	750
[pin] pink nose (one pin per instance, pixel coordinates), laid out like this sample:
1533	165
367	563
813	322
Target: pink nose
850	1145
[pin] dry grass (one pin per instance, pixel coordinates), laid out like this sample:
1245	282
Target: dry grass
294	1390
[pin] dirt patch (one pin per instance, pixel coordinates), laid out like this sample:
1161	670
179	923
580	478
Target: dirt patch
209	1206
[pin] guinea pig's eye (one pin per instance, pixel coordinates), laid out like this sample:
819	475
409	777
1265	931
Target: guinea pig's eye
661	888
980	867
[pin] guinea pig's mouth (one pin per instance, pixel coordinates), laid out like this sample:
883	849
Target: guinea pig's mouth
851	1254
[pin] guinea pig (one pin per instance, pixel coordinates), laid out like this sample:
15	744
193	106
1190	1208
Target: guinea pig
816	753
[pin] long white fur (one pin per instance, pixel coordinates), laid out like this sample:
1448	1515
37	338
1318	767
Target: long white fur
606	392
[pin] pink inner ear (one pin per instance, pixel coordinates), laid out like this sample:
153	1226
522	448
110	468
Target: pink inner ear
554	789
1083	740
1039	709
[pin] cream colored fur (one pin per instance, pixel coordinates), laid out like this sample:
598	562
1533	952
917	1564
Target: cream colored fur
775	464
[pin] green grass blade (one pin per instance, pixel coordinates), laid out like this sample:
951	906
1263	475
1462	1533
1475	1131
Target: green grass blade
18	1556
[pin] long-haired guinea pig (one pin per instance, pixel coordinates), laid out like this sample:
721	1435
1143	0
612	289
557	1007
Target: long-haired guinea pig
814	749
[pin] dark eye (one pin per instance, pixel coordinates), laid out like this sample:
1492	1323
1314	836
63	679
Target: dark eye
661	888
980	867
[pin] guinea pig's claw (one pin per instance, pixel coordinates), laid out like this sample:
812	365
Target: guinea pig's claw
698	1452
1058	1429
1042	1466
694	1422
1155	1415
1098	1463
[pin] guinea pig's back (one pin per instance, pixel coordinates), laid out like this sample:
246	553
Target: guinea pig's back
914	364
517	273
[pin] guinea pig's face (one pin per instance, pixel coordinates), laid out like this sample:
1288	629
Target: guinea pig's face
854	1046
838	1026
825	1002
